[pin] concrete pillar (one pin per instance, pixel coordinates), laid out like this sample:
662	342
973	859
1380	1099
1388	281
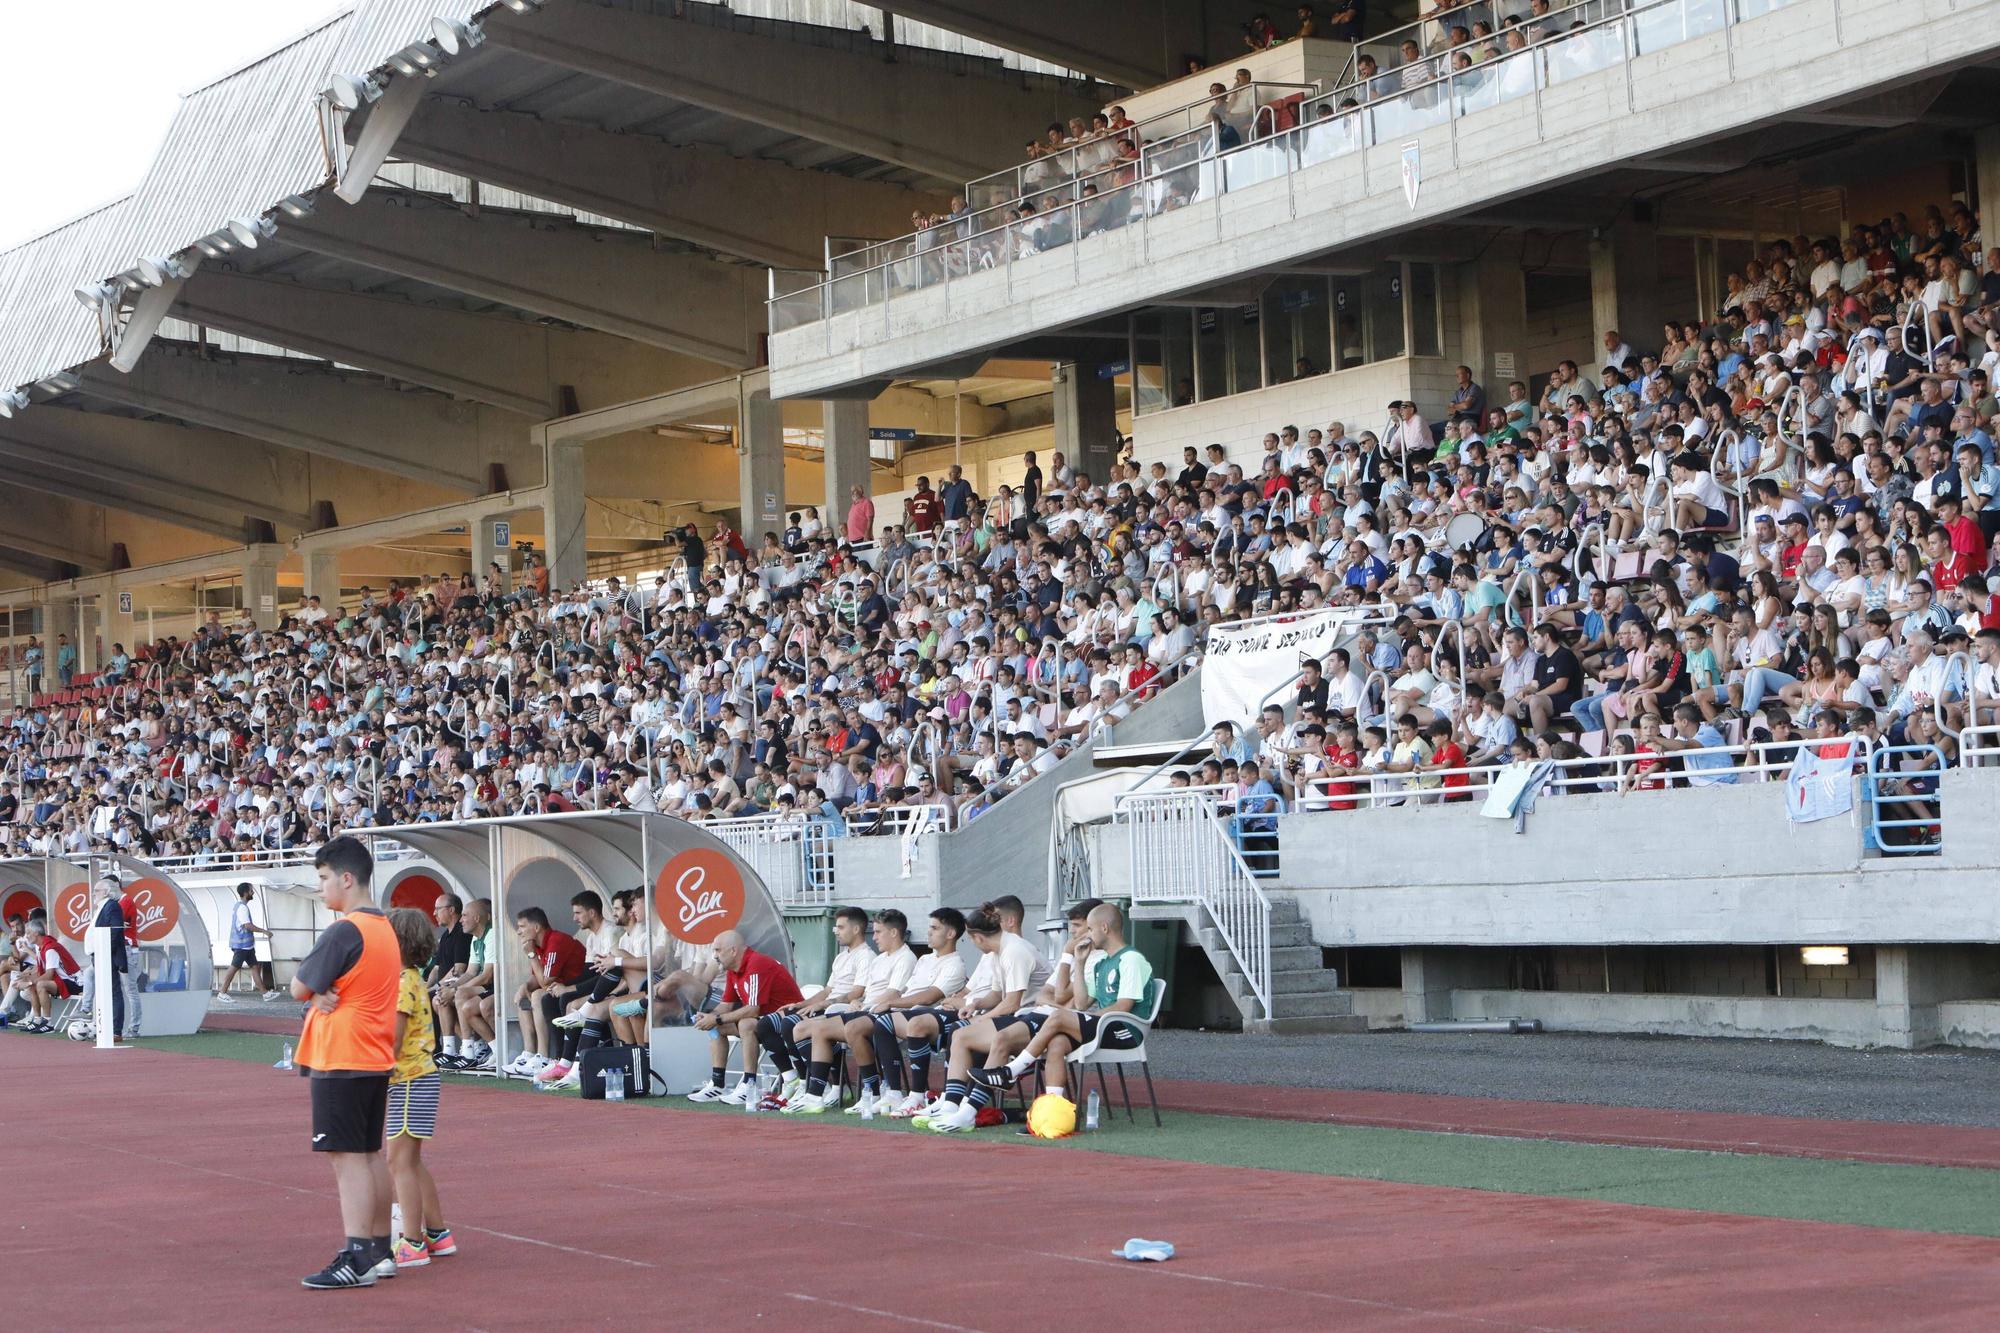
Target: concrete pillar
323	577
760	468
562	525
260	585
846	429
1986	173
118	626
1493	306
1624	289
59	619
488	548
1912	980
1431	975
1086	420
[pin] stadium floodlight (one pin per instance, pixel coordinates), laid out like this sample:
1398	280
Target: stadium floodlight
455	37
523	6
208	247
403	65
247	231
12	401
296	205
97	295
154	272
350	92
58	384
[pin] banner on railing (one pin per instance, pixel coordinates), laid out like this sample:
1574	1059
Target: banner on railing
1245	662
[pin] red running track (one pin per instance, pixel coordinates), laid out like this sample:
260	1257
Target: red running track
173	1191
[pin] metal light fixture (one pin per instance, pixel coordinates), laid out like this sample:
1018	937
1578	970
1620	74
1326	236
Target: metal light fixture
97	295
403	65
12	401
454	36
208	247
58	384
155	272
523	6
247	231
1823	955
350	92
296	205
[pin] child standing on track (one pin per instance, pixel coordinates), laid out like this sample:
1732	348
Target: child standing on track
413	1100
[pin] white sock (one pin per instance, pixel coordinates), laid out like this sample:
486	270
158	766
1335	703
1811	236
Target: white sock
451	1045
1021	1064
1055	1090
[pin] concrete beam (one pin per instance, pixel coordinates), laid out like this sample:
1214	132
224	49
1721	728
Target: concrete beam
599	279
923	116
421	522
156	470
766	211
422	436
494	359
66	530
1136	43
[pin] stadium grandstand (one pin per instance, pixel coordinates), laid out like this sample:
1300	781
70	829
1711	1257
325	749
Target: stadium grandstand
1480	514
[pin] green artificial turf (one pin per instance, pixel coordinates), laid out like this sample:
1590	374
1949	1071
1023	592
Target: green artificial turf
1955	1200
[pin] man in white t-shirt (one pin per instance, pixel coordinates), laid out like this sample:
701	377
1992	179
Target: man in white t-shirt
874	1035
888	975
1698	500
778	1032
1001	982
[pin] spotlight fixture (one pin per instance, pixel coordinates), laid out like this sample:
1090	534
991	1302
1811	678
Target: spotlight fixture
403	65
350	92
247	231
97	295
12	401
455	37
155	272
523	6
296	205
209	248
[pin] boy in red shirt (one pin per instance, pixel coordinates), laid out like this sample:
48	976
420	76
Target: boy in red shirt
1445	754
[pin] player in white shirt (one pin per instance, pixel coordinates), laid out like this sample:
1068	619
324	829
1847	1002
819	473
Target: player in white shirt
1000	984
777	1032
888	975
997	1039
873	1035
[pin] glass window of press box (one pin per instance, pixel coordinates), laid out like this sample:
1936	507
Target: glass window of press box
1301	325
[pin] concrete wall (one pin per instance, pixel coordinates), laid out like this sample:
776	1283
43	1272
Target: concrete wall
1716	865
1729	81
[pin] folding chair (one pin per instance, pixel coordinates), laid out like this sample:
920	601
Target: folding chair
1093	1054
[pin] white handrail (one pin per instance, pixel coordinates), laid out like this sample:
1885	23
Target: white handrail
1918	316
1937	700
1860	351
1534	580
1179	851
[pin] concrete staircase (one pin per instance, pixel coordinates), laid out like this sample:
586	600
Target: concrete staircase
1305	995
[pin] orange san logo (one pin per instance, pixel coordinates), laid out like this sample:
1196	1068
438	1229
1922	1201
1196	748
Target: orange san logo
159	908
699	895
72	911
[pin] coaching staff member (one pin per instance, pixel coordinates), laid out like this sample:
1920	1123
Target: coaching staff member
347	1051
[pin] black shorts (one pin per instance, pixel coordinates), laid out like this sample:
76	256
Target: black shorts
1118	1037
243	958
948	1022
348	1112
1033	1021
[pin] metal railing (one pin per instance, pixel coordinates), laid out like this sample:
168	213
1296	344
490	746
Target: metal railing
1178	853
1754	761
1196	167
1883	787
793	855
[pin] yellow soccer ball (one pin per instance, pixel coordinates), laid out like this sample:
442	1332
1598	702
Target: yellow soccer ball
1052	1117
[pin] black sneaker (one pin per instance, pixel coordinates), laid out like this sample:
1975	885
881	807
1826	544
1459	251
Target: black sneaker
1001	1077
342	1272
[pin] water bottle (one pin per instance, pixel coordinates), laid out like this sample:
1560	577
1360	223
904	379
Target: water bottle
755	1095
1090	1111
614	1085
867	1106
285	1060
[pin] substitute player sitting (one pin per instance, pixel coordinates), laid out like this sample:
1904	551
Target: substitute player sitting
991	1041
845	984
874	1035
1119	980
48	974
888	973
999	985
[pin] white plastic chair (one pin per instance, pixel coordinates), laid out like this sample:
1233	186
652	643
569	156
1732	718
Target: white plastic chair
1092	1054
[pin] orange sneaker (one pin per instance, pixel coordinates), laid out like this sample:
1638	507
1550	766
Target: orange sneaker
412	1253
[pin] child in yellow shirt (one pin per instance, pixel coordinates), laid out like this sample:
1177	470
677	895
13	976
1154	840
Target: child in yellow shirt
413	1099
